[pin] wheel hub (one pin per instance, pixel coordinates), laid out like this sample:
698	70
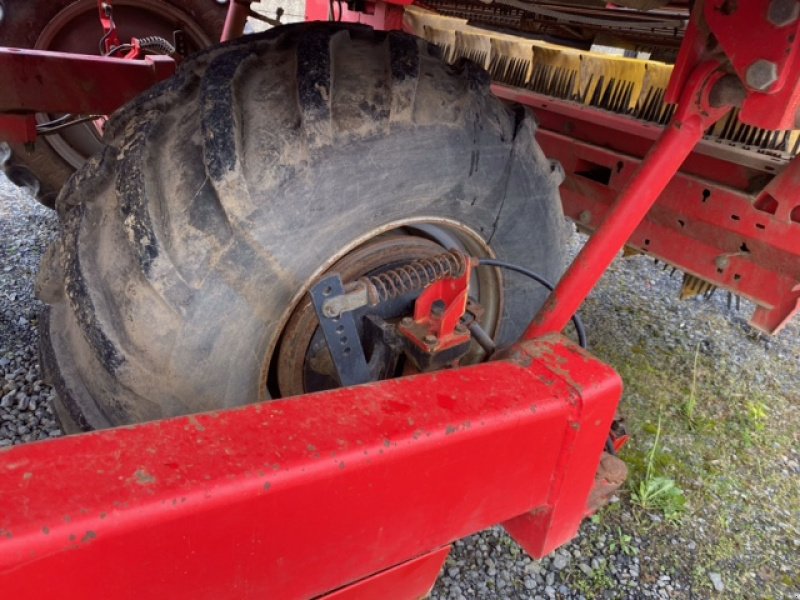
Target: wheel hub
304	363
76	29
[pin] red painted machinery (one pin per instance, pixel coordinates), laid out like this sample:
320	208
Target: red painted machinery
357	492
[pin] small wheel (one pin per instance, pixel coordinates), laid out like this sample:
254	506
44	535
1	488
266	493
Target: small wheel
70	26
179	283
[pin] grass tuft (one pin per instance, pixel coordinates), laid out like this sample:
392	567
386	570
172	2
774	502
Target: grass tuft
658	492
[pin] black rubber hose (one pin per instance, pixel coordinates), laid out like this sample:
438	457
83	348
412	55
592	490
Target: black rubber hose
491	262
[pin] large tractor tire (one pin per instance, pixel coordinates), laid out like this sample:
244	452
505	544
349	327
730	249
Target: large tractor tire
179	282
73	26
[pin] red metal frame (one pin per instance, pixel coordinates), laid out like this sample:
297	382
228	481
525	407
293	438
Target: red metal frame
110	37
694	115
386	16
703	219
85	85
365	487
746	34
251	502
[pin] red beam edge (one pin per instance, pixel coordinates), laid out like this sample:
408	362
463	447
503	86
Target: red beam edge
295	498
411	580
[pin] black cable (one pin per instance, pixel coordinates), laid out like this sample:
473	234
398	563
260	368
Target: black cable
491	262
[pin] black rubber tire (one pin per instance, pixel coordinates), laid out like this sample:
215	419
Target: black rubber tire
225	190
40	169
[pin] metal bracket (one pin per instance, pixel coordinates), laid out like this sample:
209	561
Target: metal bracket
340	333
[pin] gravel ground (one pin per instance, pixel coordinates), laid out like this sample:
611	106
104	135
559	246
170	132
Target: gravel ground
656	342
25	230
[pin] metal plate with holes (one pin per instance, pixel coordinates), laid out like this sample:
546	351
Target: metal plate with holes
341	334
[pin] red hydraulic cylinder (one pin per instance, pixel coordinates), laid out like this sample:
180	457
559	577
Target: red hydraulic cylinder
695	114
347	492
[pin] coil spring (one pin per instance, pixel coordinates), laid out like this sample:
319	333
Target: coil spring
157	44
415	276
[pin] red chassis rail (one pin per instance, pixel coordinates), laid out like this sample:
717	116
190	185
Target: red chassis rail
708	221
69	83
250	502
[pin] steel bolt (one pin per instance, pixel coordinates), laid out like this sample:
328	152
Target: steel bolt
430	339
761	75
783	12
585	217
407	321
460	329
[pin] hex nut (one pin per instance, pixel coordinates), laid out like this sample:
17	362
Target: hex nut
761	75
783	12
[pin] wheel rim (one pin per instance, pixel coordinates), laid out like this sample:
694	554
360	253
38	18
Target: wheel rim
76	29
301	362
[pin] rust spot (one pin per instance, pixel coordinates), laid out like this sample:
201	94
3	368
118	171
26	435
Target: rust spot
46	530
387	443
575	425
341	465
72	537
103	515
143	477
539	510
311	448
533	408
88	537
6	533
27	475
267	485
196	424
450	430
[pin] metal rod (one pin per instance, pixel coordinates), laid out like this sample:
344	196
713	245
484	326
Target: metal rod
694	116
235	20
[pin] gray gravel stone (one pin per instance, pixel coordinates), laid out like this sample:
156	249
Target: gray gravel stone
716	581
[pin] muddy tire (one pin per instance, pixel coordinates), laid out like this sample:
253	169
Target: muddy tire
43	168
224	192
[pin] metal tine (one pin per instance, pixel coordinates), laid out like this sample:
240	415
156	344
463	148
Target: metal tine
730	122
656	105
595	101
628	97
569	85
644	105
585	92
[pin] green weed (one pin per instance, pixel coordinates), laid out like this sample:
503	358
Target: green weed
691	402
658	492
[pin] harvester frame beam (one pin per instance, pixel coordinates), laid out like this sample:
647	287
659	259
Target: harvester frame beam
61	82
199	506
